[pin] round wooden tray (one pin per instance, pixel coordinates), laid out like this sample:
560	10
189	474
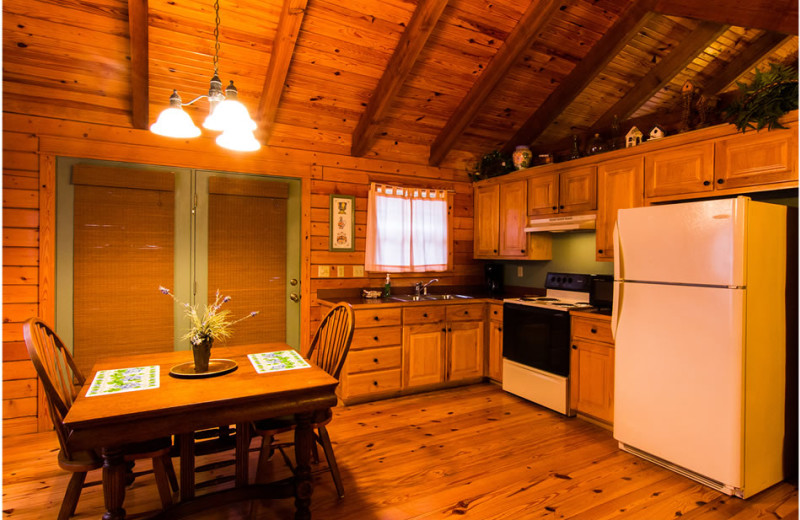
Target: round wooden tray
216	367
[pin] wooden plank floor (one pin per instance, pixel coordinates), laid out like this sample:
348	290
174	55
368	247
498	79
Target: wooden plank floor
474	452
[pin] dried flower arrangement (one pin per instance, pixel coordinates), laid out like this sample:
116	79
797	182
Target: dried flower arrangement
214	323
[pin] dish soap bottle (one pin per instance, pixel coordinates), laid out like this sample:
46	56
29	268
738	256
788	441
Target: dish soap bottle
387	287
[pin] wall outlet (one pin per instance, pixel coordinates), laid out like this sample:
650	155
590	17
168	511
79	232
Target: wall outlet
519	271
324	271
340	271
358	270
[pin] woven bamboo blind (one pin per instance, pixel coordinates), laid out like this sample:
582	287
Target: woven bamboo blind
122	250
247	254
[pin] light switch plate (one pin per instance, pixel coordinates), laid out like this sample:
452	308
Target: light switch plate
340	271
324	271
519	271
358	270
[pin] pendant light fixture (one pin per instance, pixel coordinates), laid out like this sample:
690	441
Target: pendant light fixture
226	113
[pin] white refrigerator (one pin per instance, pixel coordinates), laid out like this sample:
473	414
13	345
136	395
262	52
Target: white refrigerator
699	327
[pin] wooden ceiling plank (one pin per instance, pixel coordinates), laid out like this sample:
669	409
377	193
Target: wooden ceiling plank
279	61
140	76
746	61
584	73
771	15
661	74
411	43
519	40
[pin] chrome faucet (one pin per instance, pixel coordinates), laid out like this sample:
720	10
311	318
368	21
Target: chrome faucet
424	286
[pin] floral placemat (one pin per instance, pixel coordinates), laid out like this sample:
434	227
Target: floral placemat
277	361
124	380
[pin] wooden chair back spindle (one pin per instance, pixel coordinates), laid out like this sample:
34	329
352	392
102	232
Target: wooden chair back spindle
332	340
57	372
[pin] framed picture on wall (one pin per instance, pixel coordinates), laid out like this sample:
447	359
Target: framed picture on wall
342	232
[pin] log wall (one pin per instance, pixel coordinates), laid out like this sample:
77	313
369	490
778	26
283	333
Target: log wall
30	146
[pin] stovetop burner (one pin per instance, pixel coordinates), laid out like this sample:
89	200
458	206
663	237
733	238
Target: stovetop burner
537	299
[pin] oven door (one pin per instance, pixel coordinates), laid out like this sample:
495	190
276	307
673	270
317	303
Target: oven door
536	337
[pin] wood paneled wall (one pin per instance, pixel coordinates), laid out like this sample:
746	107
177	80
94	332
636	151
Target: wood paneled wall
30	145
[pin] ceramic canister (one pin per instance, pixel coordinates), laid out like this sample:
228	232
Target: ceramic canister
522	157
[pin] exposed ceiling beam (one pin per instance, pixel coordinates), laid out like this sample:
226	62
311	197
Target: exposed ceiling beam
538	14
411	43
674	62
772	15
140	78
279	61
744	62
605	50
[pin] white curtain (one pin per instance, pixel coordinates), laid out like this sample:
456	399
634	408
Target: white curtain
406	229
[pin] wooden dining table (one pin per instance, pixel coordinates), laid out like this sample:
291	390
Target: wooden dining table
181	406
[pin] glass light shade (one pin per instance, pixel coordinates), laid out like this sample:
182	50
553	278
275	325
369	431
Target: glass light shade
238	140
174	122
229	115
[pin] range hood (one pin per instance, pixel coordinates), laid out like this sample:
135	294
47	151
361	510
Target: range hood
561	224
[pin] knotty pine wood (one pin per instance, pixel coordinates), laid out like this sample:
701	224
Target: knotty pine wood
20	277
473	451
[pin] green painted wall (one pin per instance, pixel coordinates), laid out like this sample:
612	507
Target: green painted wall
572	253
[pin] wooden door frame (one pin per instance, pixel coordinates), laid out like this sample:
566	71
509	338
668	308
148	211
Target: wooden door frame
51	147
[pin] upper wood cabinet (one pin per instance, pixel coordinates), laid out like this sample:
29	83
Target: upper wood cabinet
487	221
572	190
619	185
755	158
679	170
500	219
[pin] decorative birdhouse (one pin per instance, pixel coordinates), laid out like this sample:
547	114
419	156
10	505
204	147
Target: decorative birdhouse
657	132
633	137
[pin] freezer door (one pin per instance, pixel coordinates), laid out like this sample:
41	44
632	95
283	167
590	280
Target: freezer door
691	243
679	376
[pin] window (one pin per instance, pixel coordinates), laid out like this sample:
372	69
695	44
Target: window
407	229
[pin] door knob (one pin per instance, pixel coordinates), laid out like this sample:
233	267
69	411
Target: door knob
294	297
293	281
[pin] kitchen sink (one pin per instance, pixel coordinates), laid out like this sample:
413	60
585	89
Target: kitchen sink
428	297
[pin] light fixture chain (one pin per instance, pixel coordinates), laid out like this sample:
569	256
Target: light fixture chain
216	37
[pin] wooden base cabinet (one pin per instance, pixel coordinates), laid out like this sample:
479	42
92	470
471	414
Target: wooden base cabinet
495	339
592	369
373	364
423	355
464	350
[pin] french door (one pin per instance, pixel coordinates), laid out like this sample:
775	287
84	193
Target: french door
123	230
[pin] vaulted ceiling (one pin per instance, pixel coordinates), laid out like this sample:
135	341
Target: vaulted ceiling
436	81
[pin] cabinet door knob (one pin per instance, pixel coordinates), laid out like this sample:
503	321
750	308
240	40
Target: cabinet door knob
706	183
720	181
594	331
574	347
374	383
444	330
375	360
522	251
375	338
600	251
495	250
450	329
499	329
554	207
376	318
425	315
466	313
561	206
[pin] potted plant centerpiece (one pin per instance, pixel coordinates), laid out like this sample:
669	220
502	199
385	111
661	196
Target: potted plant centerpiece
213	324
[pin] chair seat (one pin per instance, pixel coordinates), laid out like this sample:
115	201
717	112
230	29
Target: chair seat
288	422
147	449
80	461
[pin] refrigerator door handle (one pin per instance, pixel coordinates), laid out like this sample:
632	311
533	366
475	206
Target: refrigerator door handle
617	253
615	307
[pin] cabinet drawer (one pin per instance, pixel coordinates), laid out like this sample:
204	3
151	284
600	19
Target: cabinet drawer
373	359
495	312
373	382
376	337
464	312
428	314
377	317
596	330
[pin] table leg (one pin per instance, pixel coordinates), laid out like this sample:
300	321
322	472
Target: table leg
186	444
113	483
303	444
242	453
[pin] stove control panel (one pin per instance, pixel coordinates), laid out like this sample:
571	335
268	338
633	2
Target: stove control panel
568	282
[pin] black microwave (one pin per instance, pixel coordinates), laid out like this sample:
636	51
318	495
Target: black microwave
601	292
